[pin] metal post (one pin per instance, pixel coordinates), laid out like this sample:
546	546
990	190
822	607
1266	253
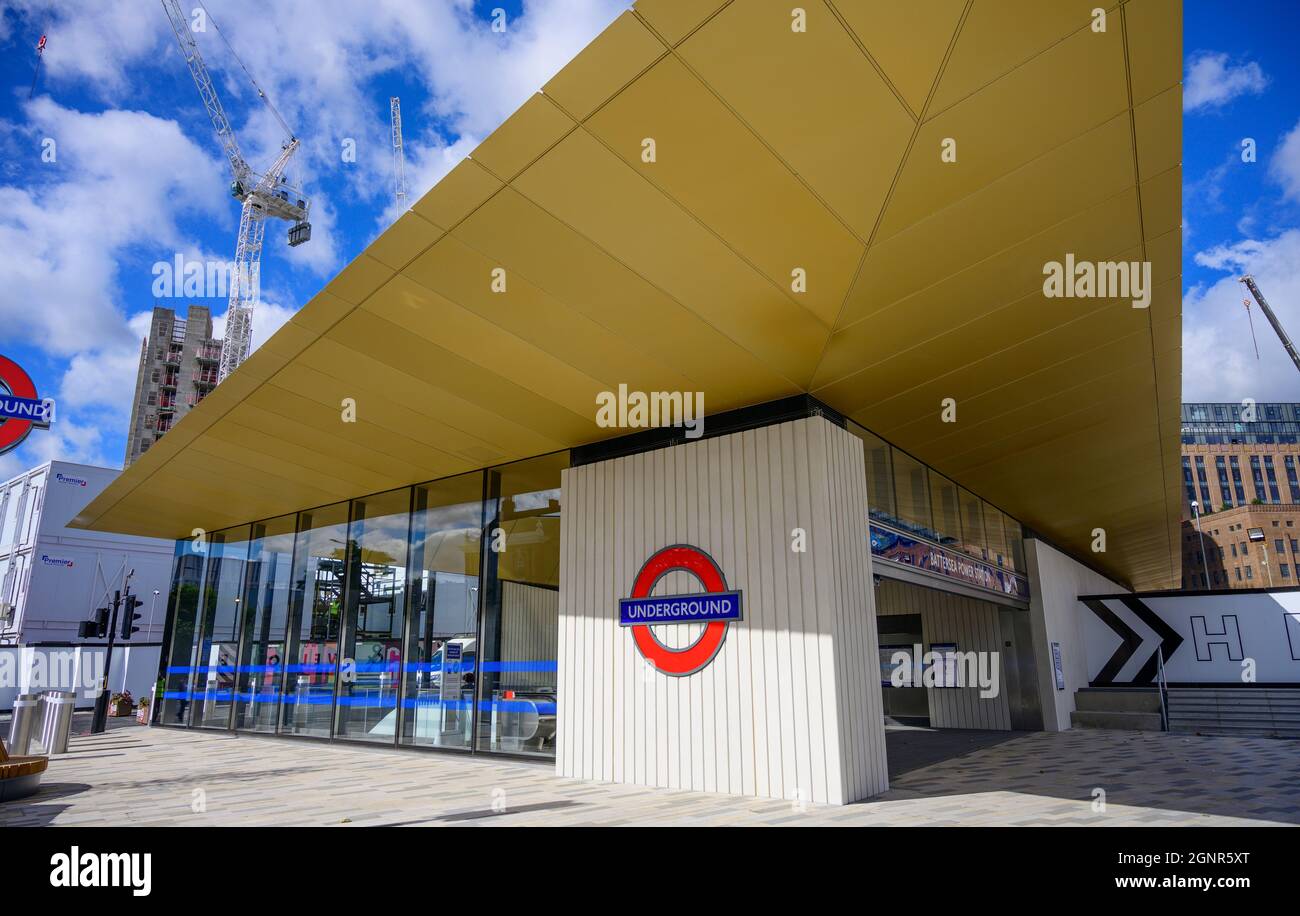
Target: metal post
1205	561
58	720
100	720
27	712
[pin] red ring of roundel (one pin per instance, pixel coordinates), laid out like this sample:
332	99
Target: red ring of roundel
12	430
696	656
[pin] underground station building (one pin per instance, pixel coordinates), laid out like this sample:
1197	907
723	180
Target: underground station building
406	520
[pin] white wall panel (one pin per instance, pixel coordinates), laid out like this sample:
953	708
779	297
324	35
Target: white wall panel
790	707
528	630
1056	581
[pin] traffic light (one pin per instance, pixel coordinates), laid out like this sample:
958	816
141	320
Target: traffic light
129	603
96	627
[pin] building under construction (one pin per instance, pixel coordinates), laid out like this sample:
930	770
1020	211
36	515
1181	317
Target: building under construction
178	367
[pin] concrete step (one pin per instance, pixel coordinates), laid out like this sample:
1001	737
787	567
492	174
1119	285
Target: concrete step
1244	708
1128	721
1244	731
1275	695
1092	699
1243	721
1272	712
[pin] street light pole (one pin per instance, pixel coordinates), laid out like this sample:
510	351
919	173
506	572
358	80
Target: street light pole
1205	560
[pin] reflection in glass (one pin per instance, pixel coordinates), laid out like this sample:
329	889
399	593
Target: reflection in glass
265	625
996	537
1015	543
214	673
912	492
187	583
947	515
880	474
446	528
315	603
974	540
375	599
520	629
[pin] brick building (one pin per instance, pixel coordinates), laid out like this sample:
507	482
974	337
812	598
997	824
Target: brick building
1241	476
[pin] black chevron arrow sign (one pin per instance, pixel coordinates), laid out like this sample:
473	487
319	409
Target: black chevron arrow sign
1131	642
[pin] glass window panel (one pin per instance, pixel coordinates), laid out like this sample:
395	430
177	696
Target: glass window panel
315	605
446	529
880	474
182	657
1015	543
375	599
214	673
911	490
997	537
947	515
974	539
520	628
265	625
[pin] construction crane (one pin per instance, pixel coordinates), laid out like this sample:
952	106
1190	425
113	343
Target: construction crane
263	196
399	158
1272	319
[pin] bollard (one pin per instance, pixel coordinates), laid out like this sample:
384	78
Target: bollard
25	723
58	720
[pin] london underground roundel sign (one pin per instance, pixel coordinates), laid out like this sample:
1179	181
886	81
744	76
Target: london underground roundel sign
20	407
716	607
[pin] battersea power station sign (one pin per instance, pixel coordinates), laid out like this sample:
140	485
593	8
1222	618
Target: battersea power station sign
716	608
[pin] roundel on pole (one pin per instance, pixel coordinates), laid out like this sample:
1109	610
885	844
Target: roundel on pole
716	607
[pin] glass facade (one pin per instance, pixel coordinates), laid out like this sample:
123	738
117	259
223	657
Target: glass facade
425	616
917	500
428	616
1232	424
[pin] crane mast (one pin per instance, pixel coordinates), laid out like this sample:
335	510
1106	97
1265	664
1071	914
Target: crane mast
399	158
1272	319
262	197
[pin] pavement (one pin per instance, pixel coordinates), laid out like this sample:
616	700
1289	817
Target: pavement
138	775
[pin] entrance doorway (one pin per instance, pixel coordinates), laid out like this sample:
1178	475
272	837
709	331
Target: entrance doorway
976	668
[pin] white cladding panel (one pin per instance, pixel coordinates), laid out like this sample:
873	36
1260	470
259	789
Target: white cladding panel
528	631
790	707
974	627
56	576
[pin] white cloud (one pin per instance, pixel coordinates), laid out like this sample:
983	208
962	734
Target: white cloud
125	178
1218	354
120	179
1284	166
1212	81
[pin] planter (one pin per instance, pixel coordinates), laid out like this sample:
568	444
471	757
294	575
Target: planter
120	709
142	715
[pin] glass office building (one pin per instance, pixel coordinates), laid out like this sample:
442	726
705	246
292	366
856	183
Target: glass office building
1240	424
428	615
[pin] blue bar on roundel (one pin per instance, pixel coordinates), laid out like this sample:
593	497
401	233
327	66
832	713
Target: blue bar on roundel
704	607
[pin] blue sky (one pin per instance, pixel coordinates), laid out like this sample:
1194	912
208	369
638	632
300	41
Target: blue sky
1241	81
138	177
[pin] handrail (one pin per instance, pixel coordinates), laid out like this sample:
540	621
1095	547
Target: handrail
1164	688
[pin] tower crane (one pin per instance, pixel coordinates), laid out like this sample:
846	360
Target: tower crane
1272	319
399	158
263	196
